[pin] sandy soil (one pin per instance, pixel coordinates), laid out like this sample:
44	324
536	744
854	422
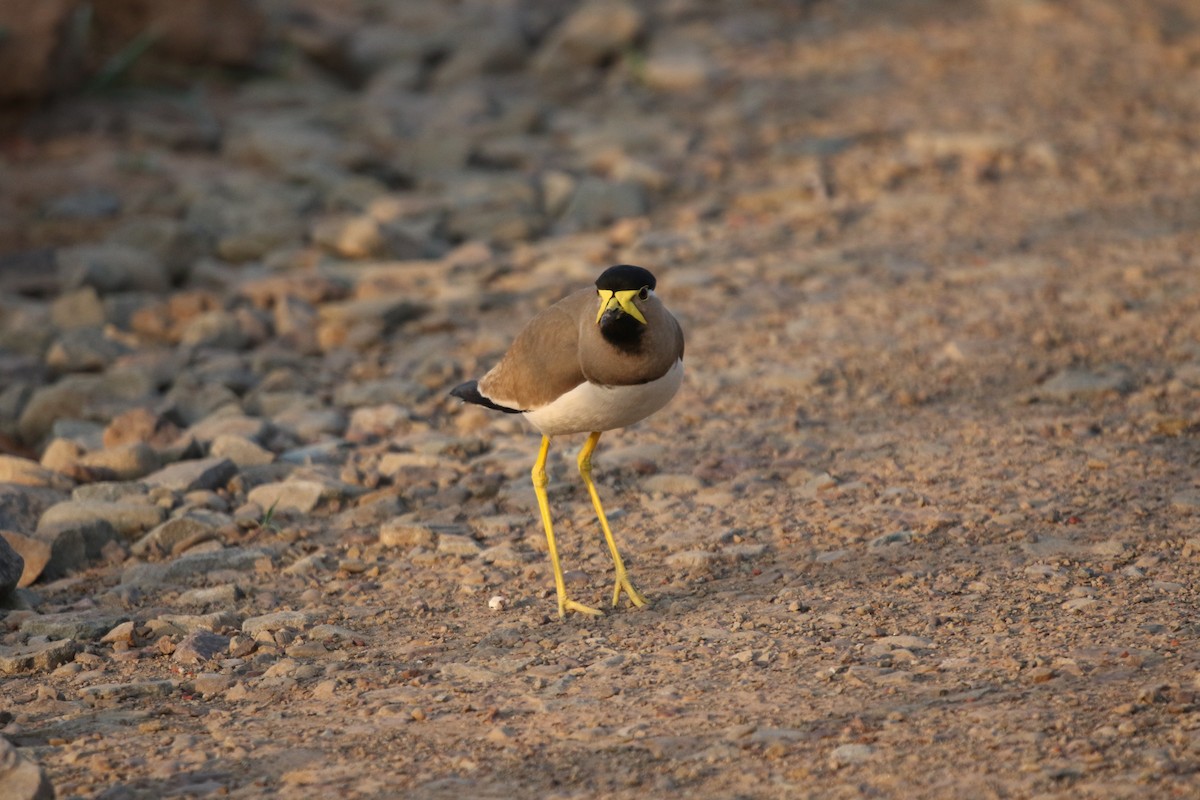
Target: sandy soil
923	522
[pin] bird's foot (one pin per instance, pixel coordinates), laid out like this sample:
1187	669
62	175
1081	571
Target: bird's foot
565	605
624	585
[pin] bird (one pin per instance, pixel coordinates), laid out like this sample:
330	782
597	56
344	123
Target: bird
600	359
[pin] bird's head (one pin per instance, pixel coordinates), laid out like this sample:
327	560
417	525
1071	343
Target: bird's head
622	290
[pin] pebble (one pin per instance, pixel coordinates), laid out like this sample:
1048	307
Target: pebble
111	693
241	451
457	545
405	534
26	472
277	620
667	483
128	519
850	754
1073	384
301	496
36	656
172	535
199	646
190	476
21	776
125	462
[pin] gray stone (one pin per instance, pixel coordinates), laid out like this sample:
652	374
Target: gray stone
190	623
891	539
205	474
598	202
1074	384
221	330
66	398
277	620
128	519
670	483
1187	501
199	646
21	776
110	693
69	625
206	430
21	506
191	565
227	594
84	350
405	534
458	545
36	657
848	754
241	451
74	544
81	308
111	492
111	268
90	203
12	566
378	392
293	495
170	535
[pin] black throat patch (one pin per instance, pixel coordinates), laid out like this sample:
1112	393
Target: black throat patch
622	331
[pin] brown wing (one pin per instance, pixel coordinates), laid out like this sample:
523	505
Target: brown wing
543	361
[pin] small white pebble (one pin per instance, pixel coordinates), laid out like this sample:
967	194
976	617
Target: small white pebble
498	602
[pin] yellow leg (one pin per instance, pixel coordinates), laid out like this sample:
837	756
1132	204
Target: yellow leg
585	469
539	489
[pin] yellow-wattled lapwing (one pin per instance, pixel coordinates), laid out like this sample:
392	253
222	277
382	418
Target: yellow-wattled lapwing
597	360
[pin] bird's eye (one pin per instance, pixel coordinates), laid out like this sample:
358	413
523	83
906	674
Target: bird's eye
644	293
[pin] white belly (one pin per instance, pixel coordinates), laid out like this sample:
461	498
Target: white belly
589	407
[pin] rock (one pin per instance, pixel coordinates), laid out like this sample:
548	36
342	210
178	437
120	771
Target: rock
190	565
62	456
74	544
35	553
173	624
597	30
300	496
84	350
676	68
199	646
204	474
112	693
458	545
125	462
227	594
692	560
21	776
220	330
379	392
22	506
79	627
668	483
356	323
80	308
172	536
65	399
240	450
277	620
111	268
1075	384
12	567
405	534
36	656
850	754
893	539
1187	501
140	425
598	202
350	237
39	57
128	519
26	472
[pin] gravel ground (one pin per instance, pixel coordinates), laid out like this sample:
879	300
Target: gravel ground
924	520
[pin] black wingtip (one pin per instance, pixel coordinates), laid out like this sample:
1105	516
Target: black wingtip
469	392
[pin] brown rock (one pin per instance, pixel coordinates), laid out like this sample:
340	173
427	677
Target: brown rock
140	425
35	552
38	57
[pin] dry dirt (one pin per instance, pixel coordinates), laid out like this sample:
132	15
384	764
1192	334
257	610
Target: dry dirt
923	522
